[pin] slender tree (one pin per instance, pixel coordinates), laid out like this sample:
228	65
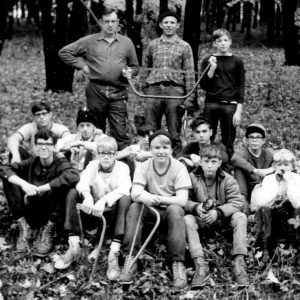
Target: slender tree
290	33
4	6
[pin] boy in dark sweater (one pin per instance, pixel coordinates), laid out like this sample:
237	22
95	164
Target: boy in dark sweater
252	162
45	181
224	84
202	133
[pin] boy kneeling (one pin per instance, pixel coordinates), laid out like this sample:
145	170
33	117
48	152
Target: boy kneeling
104	186
215	201
276	201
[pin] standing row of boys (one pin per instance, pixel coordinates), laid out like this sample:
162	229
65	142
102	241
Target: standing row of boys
52	170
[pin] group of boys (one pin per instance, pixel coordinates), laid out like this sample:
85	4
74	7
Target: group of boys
52	170
65	169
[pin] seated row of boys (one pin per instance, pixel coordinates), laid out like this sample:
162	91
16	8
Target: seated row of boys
41	190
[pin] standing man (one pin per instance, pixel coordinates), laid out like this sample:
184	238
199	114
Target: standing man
170	55
108	59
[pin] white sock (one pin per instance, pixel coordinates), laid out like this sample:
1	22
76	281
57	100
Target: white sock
115	246
74	240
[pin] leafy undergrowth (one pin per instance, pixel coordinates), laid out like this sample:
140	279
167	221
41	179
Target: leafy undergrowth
272	98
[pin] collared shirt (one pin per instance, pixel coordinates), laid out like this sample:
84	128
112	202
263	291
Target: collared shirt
170	55
105	60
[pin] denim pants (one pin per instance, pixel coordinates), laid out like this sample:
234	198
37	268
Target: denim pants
172	225
115	216
39	209
195	227
222	112
110	103
272	226
156	107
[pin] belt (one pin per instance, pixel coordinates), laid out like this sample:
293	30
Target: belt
104	83
229	102
165	83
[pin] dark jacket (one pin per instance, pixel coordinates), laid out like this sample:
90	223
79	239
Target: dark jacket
59	174
229	197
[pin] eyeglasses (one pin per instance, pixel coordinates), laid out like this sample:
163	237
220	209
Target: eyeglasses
41	114
255	138
47	145
109	154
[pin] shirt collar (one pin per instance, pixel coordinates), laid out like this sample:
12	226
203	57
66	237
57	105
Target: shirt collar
175	39
101	36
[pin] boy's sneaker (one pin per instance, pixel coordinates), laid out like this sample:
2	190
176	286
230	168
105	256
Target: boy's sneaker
239	271
113	271
179	275
24	235
44	242
71	255
127	274
201	272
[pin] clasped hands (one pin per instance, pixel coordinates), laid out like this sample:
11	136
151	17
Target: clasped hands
208	217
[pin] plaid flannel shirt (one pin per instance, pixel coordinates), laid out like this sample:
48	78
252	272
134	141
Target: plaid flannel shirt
167	56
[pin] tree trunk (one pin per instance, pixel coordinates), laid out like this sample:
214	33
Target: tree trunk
163	5
4	5
270	5
290	34
246	22
191	31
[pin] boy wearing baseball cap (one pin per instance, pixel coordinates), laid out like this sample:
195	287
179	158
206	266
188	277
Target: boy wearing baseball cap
252	161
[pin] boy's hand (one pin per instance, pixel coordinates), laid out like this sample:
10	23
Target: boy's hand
99	208
152	200
237	118
210	217
127	73
88	201
213	62
200	210
30	189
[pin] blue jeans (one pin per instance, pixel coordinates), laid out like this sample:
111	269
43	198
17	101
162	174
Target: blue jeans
222	112
110	103
156	107
171	222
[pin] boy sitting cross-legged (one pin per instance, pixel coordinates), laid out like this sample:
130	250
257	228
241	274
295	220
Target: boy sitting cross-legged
215	201
161	182
104	186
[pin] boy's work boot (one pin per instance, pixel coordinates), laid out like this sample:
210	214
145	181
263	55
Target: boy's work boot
239	271
179	275
71	255
126	276
113	271
44	242
201	272
24	235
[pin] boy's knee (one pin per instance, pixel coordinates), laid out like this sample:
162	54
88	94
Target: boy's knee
239	219
125	202
189	220
174	210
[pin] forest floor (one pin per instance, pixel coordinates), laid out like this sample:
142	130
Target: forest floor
272	98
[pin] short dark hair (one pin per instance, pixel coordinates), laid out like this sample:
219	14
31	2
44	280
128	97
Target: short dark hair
199	121
39	106
144	129
45	134
107	11
210	151
219	33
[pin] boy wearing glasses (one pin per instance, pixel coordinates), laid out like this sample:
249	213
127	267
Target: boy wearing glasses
25	135
202	133
277	203
252	162
44	181
104	186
